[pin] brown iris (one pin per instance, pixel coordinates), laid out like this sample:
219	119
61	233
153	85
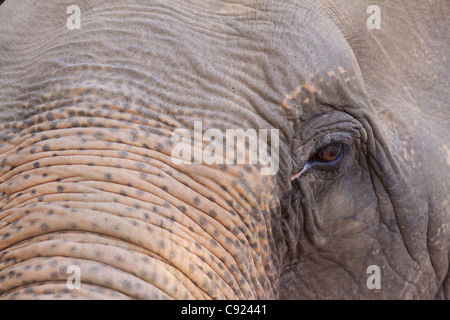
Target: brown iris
329	153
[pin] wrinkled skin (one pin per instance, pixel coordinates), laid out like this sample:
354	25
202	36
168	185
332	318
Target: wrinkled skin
86	176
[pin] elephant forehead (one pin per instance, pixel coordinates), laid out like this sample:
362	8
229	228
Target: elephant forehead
273	43
246	56
276	44
287	53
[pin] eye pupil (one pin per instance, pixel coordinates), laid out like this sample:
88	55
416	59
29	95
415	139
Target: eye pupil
329	153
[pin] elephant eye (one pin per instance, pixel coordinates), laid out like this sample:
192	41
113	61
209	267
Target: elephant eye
328	157
331	157
329	153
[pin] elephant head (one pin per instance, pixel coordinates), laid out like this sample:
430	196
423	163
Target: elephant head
224	149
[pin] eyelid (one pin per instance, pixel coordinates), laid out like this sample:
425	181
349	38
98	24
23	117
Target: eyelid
344	138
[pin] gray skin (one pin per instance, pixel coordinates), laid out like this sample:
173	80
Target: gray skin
86	176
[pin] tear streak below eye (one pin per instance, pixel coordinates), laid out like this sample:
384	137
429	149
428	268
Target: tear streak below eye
305	168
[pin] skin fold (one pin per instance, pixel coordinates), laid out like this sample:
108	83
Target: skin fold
87	179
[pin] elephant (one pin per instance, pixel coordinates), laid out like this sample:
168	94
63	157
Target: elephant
115	183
